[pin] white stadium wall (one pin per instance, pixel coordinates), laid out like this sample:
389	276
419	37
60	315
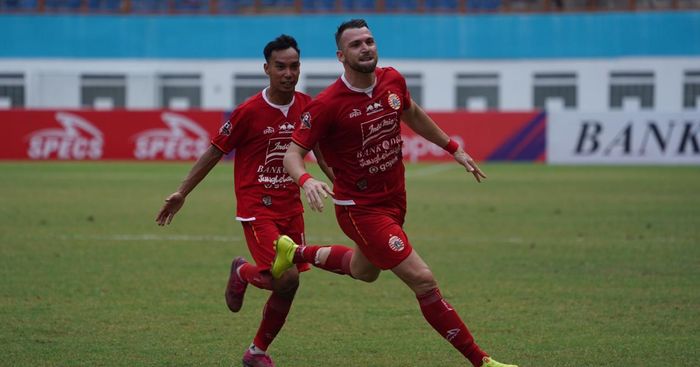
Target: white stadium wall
56	83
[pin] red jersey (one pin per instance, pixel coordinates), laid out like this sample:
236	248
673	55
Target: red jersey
261	132
359	134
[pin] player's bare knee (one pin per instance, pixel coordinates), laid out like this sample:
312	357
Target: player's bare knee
423	281
366	276
288	283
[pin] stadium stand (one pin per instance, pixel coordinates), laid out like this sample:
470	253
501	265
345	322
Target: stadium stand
335	6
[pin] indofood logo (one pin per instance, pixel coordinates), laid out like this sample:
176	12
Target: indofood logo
183	139
76	139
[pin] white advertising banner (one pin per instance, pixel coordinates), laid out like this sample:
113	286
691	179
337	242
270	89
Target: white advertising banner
623	138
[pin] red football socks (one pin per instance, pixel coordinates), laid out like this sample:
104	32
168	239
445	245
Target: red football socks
338	260
274	316
445	320
251	274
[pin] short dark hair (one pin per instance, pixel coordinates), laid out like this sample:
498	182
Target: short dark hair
352	23
282	42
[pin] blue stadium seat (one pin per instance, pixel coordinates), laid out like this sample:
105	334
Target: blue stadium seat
401	5
191	6
359	5
71	5
318	5
234	6
278	3
105	5
149	6
483	5
442	5
19	5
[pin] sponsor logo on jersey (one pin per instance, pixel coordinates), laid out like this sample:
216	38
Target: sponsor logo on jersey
396	244
355	113
378	128
276	148
373	108
306	120
225	128
286	128
182	139
76	139
269	130
394	101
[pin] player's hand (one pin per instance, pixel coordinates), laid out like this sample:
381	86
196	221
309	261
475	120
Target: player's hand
465	160
315	192
172	205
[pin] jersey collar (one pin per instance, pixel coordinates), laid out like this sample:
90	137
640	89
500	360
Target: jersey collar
368	91
283	108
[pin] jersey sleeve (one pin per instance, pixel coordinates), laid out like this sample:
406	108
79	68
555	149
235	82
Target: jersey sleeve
398	78
313	125
232	132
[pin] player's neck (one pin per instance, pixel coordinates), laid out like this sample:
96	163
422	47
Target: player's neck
278	97
359	80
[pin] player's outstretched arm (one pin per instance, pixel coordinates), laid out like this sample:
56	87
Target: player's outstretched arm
176	200
315	190
423	125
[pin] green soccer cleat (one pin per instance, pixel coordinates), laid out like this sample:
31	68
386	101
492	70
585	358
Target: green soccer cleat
284	256
490	362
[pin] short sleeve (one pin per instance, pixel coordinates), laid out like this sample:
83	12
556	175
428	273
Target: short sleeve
313	125
232	132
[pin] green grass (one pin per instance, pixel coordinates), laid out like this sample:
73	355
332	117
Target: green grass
548	265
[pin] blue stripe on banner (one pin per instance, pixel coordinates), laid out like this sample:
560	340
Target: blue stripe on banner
528	144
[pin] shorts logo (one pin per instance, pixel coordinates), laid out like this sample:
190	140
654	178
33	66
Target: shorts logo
394	101
226	128
267	200
305	120
396	244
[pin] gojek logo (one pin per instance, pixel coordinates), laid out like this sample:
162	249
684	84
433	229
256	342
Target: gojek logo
183	139
77	139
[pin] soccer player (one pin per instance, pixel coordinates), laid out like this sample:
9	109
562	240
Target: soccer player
356	124
268	200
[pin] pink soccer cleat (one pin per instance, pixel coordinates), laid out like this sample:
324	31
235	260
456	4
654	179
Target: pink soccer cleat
235	288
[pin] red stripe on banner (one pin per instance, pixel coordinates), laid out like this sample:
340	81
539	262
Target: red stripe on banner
185	135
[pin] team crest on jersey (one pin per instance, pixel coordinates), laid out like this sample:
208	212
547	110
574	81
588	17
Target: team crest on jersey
394	101
396	244
225	128
305	120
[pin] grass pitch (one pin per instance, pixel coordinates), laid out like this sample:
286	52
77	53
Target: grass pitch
548	265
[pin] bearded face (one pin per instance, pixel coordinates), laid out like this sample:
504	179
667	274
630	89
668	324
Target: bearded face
359	51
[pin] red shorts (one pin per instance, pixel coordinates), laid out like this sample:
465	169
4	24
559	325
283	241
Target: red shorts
377	231
261	233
